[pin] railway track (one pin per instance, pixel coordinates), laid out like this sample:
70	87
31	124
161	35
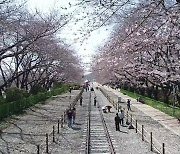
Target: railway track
98	139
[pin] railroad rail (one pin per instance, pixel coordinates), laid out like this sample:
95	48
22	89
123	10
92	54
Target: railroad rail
98	138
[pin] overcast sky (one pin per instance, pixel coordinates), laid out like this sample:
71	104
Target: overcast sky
85	48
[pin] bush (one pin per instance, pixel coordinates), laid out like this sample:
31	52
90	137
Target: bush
36	89
2	100
76	87
21	100
57	85
15	94
57	91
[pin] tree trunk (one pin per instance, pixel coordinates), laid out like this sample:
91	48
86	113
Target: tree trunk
149	92
166	94
156	92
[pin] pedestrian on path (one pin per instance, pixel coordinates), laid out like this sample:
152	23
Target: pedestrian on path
69	113
70	89
117	122
129	104
95	101
119	108
74	115
121	116
80	100
104	109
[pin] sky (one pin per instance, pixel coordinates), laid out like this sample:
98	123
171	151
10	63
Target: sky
72	33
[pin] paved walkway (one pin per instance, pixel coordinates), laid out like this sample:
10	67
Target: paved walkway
165	129
167	121
126	141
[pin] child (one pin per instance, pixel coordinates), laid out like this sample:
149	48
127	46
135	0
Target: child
73	115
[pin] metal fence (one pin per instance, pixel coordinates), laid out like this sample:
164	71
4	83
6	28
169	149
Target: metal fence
146	136
51	136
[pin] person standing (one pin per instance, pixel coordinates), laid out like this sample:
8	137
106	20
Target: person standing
95	101
121	116
129	104
74	115
117	121
70	89
80	100
69	113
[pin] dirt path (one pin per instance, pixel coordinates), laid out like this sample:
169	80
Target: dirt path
27	131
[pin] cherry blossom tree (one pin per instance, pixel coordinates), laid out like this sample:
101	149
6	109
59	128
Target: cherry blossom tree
30	51
145	49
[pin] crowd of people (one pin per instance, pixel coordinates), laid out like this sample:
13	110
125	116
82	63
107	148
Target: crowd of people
119	118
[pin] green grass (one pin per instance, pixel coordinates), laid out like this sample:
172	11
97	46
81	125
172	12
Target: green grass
168	109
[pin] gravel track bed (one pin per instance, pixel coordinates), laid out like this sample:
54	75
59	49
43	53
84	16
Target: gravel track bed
27	131
127	140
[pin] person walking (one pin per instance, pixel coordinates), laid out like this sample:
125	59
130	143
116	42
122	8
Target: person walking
95	101
70	89
80	100
117	121
104	109
129	104
69	113
74	115
121	116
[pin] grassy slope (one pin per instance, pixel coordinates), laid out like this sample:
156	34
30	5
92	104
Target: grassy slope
168	109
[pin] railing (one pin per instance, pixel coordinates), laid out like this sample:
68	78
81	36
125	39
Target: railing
112	150
88	127
49	137
155	145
